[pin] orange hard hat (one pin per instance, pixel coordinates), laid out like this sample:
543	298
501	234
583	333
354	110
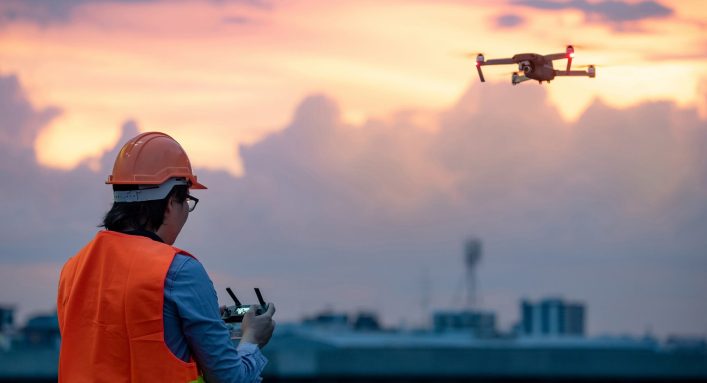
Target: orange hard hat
152	159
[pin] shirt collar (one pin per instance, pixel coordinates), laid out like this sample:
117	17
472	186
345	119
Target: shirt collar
144	233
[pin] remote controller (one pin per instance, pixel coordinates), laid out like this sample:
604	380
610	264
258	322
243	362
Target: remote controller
235	314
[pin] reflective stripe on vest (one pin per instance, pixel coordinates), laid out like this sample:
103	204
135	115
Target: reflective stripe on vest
110	313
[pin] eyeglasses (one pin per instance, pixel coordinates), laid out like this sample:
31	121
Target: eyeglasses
191	202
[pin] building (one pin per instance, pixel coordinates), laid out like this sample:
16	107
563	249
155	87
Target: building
328	319
552	317
42	331
7	318
479	324
361	321
366	321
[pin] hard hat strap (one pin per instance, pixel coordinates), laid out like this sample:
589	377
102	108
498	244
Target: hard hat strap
148	192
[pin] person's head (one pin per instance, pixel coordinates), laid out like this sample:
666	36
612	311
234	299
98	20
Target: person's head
151	179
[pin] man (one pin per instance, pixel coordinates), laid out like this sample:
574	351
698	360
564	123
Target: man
133	308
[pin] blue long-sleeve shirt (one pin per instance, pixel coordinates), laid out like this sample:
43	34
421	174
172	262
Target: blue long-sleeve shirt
193	326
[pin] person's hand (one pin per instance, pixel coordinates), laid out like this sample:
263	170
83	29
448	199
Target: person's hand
258	329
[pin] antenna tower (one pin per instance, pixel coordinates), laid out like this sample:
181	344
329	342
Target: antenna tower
472	257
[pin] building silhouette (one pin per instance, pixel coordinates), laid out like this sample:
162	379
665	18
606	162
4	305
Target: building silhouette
552	317
479	324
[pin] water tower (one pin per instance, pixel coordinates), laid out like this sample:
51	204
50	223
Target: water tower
472	257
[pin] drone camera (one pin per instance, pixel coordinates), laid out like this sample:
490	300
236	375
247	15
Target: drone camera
525	67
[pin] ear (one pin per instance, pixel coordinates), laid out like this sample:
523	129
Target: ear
169	209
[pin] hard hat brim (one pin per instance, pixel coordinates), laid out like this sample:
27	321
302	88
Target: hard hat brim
196	185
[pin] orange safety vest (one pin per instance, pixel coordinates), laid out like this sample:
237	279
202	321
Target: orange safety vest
110	313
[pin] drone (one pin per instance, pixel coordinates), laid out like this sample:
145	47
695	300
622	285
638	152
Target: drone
536	67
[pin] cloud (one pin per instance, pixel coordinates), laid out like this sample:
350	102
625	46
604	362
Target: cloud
47	204
129	130
508	21
45	12
42	12
610	11
560	207
698	53
237	20
21	122
609	209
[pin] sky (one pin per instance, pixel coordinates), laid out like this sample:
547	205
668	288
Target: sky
350	150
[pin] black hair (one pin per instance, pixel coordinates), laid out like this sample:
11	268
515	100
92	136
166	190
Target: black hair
145	215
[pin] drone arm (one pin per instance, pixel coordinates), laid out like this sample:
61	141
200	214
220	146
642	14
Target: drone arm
561	56
480	61
556	56
572	73
498	62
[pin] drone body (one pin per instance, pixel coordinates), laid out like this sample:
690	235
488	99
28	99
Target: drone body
536	67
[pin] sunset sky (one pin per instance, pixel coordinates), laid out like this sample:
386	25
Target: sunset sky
350	148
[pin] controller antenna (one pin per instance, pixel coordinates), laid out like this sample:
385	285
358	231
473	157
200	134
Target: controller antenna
233	296
260	298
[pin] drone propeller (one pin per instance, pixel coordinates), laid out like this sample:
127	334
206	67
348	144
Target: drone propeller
468	55
585	47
